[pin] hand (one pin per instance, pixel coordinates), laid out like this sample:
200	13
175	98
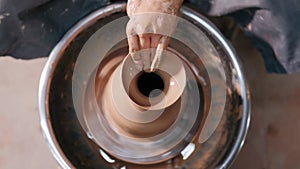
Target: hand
149	29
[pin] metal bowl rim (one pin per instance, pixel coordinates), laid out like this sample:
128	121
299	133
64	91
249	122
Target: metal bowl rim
56	53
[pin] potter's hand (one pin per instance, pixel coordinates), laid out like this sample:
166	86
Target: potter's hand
148	27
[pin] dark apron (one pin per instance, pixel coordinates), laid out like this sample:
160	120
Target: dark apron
31	28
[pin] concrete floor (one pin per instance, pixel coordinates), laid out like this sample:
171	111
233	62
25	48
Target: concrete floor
272	142
21	141
273	139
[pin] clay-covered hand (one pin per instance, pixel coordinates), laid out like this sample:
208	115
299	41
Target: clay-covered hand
150	24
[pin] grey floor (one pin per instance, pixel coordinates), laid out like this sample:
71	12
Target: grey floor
21	142
272	142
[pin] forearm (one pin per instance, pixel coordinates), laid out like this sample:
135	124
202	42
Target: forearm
161	6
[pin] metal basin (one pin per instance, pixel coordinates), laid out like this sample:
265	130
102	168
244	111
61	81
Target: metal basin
221	120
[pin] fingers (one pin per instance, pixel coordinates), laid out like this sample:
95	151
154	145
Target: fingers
145	44
134	46
133	42
145	41
146	50
162	44
155	40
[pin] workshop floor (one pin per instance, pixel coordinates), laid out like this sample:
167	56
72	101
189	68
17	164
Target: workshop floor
273	141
